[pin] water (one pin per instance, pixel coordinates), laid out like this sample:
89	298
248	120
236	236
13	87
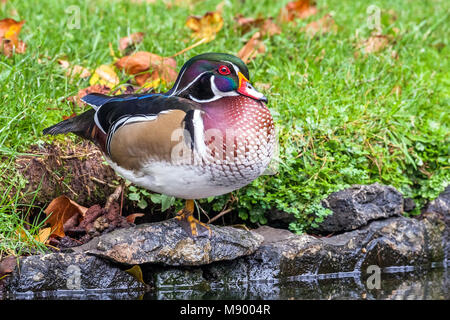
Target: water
399	283
431	284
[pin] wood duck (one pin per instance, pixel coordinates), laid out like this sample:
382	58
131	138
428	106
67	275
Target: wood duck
210	134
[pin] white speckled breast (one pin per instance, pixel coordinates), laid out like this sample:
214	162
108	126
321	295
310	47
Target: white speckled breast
240	140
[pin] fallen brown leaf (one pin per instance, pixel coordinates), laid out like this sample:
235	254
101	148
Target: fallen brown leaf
252	48
321	26
265	25
131	40
59	211
96	88
133	216
74	71
261	85
159	68
7	48
9	37
373	44
10	29
44	235
7	265
205	27
301	9
68	117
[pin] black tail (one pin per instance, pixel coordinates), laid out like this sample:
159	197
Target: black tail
82	125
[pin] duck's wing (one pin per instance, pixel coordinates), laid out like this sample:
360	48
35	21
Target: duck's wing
127	125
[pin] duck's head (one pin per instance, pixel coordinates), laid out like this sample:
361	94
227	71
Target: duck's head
211	76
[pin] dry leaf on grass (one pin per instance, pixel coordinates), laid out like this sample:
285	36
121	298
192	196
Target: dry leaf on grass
9	37
96	88
265	25
263	86
253	47
321	26
75	70
206	26
159	68
373	44
131	40
59	211
104	75
301	9
44	235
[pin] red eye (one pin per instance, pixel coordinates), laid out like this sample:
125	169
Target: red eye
224	70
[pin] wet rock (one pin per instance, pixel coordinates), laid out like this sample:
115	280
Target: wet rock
440	206
354	207
392	242
438	213
167	243
284	256
408	205
45	274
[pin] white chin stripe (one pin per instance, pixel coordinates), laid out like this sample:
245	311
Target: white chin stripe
217	93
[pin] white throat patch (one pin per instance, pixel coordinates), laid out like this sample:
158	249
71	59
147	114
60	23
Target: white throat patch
217	93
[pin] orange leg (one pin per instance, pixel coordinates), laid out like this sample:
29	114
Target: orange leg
191	225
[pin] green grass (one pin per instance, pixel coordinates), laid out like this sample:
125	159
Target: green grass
338	118
18	232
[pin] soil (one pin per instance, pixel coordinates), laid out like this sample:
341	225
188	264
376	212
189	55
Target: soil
76	170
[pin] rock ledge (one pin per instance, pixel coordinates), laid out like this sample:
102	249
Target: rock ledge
167	243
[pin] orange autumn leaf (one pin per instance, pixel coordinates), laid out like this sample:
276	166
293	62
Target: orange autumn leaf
300	9
96	88
59	211
159	68
9	36
130	40
133	216
253	47
205	27
10	29
265	25
43	235
373	44
321	26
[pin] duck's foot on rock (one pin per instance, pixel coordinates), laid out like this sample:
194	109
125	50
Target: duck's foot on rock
193	227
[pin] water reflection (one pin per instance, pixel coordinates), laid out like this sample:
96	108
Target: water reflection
425	285
395	284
